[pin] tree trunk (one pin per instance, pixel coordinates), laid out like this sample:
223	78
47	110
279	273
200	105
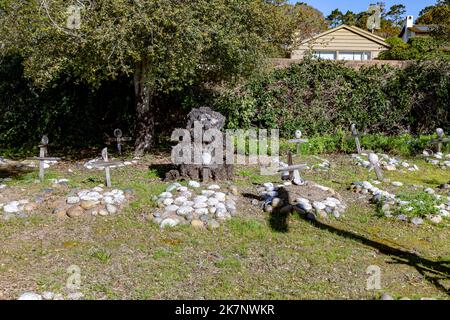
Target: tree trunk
145	114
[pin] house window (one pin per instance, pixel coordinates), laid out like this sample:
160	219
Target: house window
354	56
325	55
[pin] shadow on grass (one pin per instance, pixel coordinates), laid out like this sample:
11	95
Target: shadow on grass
14	172
432	271
161	169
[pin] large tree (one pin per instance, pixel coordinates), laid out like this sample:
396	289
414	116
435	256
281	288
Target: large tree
438	16
164	45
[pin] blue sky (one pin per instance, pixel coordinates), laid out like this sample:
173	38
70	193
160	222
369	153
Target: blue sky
413	7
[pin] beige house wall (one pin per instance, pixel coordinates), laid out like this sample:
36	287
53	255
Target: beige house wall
341	40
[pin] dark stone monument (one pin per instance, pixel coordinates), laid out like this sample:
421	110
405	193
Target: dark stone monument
208	119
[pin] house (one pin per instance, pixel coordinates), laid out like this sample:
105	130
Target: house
342	43
411	30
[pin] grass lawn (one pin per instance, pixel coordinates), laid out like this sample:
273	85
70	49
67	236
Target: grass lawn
126	256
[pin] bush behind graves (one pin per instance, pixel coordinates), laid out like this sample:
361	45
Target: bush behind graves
324	97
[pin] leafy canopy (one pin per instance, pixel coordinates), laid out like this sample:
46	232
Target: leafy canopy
181	41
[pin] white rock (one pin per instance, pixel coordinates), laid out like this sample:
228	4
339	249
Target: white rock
11	208
212	210
48	295
108	199
98	189
30	296
199	205
194	184
444	213
180	201
182	211
269	186
397	184
182	189
200	199
319	205
212	202
168	201
208	193
169	223
73	200
201	211
171	208
214	187
220	196
75	296
305	206
166	195
173	187
111	209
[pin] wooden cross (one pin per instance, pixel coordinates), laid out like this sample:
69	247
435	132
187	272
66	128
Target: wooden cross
298	140
106	164
294	170
43	152
440	140
355	134
373	159
119	138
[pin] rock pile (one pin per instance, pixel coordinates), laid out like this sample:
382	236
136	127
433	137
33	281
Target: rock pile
386	162
191	205
389	203
312	200
437	159
94	202
17	209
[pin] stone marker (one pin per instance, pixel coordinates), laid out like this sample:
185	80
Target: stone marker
106	164
355	134
43	152
440	140
119	138
298	140
294	170
373	159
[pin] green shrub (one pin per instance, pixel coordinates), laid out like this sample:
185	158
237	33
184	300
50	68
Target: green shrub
324	97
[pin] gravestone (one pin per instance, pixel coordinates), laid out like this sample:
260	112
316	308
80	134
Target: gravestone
206	171
374	161
440	140
119	138
355	135
43	156
298	141
106	164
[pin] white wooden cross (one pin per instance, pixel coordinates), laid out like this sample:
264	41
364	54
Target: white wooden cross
293	170
440	140
355	134
119	138
43	152
106	164
374	161
298	140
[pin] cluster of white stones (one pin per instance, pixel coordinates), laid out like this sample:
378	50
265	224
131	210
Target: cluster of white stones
323	165
94	202
437	159
16	209
48	295
35	163
388	202
91	164
386	162
190	205
327	206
